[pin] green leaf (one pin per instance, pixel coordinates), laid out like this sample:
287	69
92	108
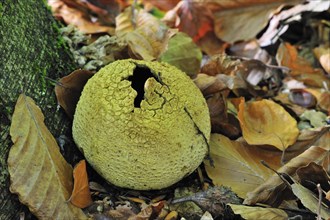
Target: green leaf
183	53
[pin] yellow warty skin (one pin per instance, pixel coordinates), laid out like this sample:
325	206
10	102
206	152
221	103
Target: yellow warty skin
148	147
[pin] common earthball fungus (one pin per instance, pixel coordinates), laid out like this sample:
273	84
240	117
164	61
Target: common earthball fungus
142	125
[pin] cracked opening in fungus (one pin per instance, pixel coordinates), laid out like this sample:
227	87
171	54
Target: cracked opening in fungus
138	79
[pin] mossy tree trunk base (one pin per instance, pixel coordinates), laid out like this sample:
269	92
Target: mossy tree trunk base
31	53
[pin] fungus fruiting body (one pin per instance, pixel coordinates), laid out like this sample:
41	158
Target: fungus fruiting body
142	125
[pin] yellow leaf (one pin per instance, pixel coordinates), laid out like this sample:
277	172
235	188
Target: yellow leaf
38	172
265	122
238	165
258	212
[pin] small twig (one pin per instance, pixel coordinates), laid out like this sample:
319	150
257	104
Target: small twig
319	189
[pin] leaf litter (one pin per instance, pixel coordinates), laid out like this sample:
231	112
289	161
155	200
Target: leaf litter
268	101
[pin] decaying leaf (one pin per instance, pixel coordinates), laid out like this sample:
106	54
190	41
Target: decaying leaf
69	88
191	17
78	14
262	123
38	172
273	191
238	166
251	213
301	69
81	196
313	174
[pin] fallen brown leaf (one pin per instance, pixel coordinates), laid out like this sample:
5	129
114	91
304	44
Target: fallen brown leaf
274	191
323	55
301	69
81	196
69	88
262	123
245	17
191	17
237	165
38	172
313	174
78	13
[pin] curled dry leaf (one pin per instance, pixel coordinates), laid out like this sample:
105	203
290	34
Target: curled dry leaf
301	69
265	122
274	191
323	55
302	97
69	88
251	213
313	174
77	13
129	20
81	196
238	165
38	172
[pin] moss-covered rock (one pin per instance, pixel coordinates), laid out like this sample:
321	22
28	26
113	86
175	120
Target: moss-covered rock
142	125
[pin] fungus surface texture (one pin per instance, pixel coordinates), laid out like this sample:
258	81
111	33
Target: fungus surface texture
142	125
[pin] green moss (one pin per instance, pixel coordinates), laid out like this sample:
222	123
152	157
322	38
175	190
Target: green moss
1	9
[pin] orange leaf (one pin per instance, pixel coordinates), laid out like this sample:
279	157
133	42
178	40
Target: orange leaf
193	17
301	69
81	196
265	122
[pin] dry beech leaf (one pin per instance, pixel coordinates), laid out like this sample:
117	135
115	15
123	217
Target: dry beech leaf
77	14
238	166
310	201
306	138
190	17
69	88
38	172
148	41
273	191
301	69
127	21
247	18
251	213
265	122
81	196
323	55
313	174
